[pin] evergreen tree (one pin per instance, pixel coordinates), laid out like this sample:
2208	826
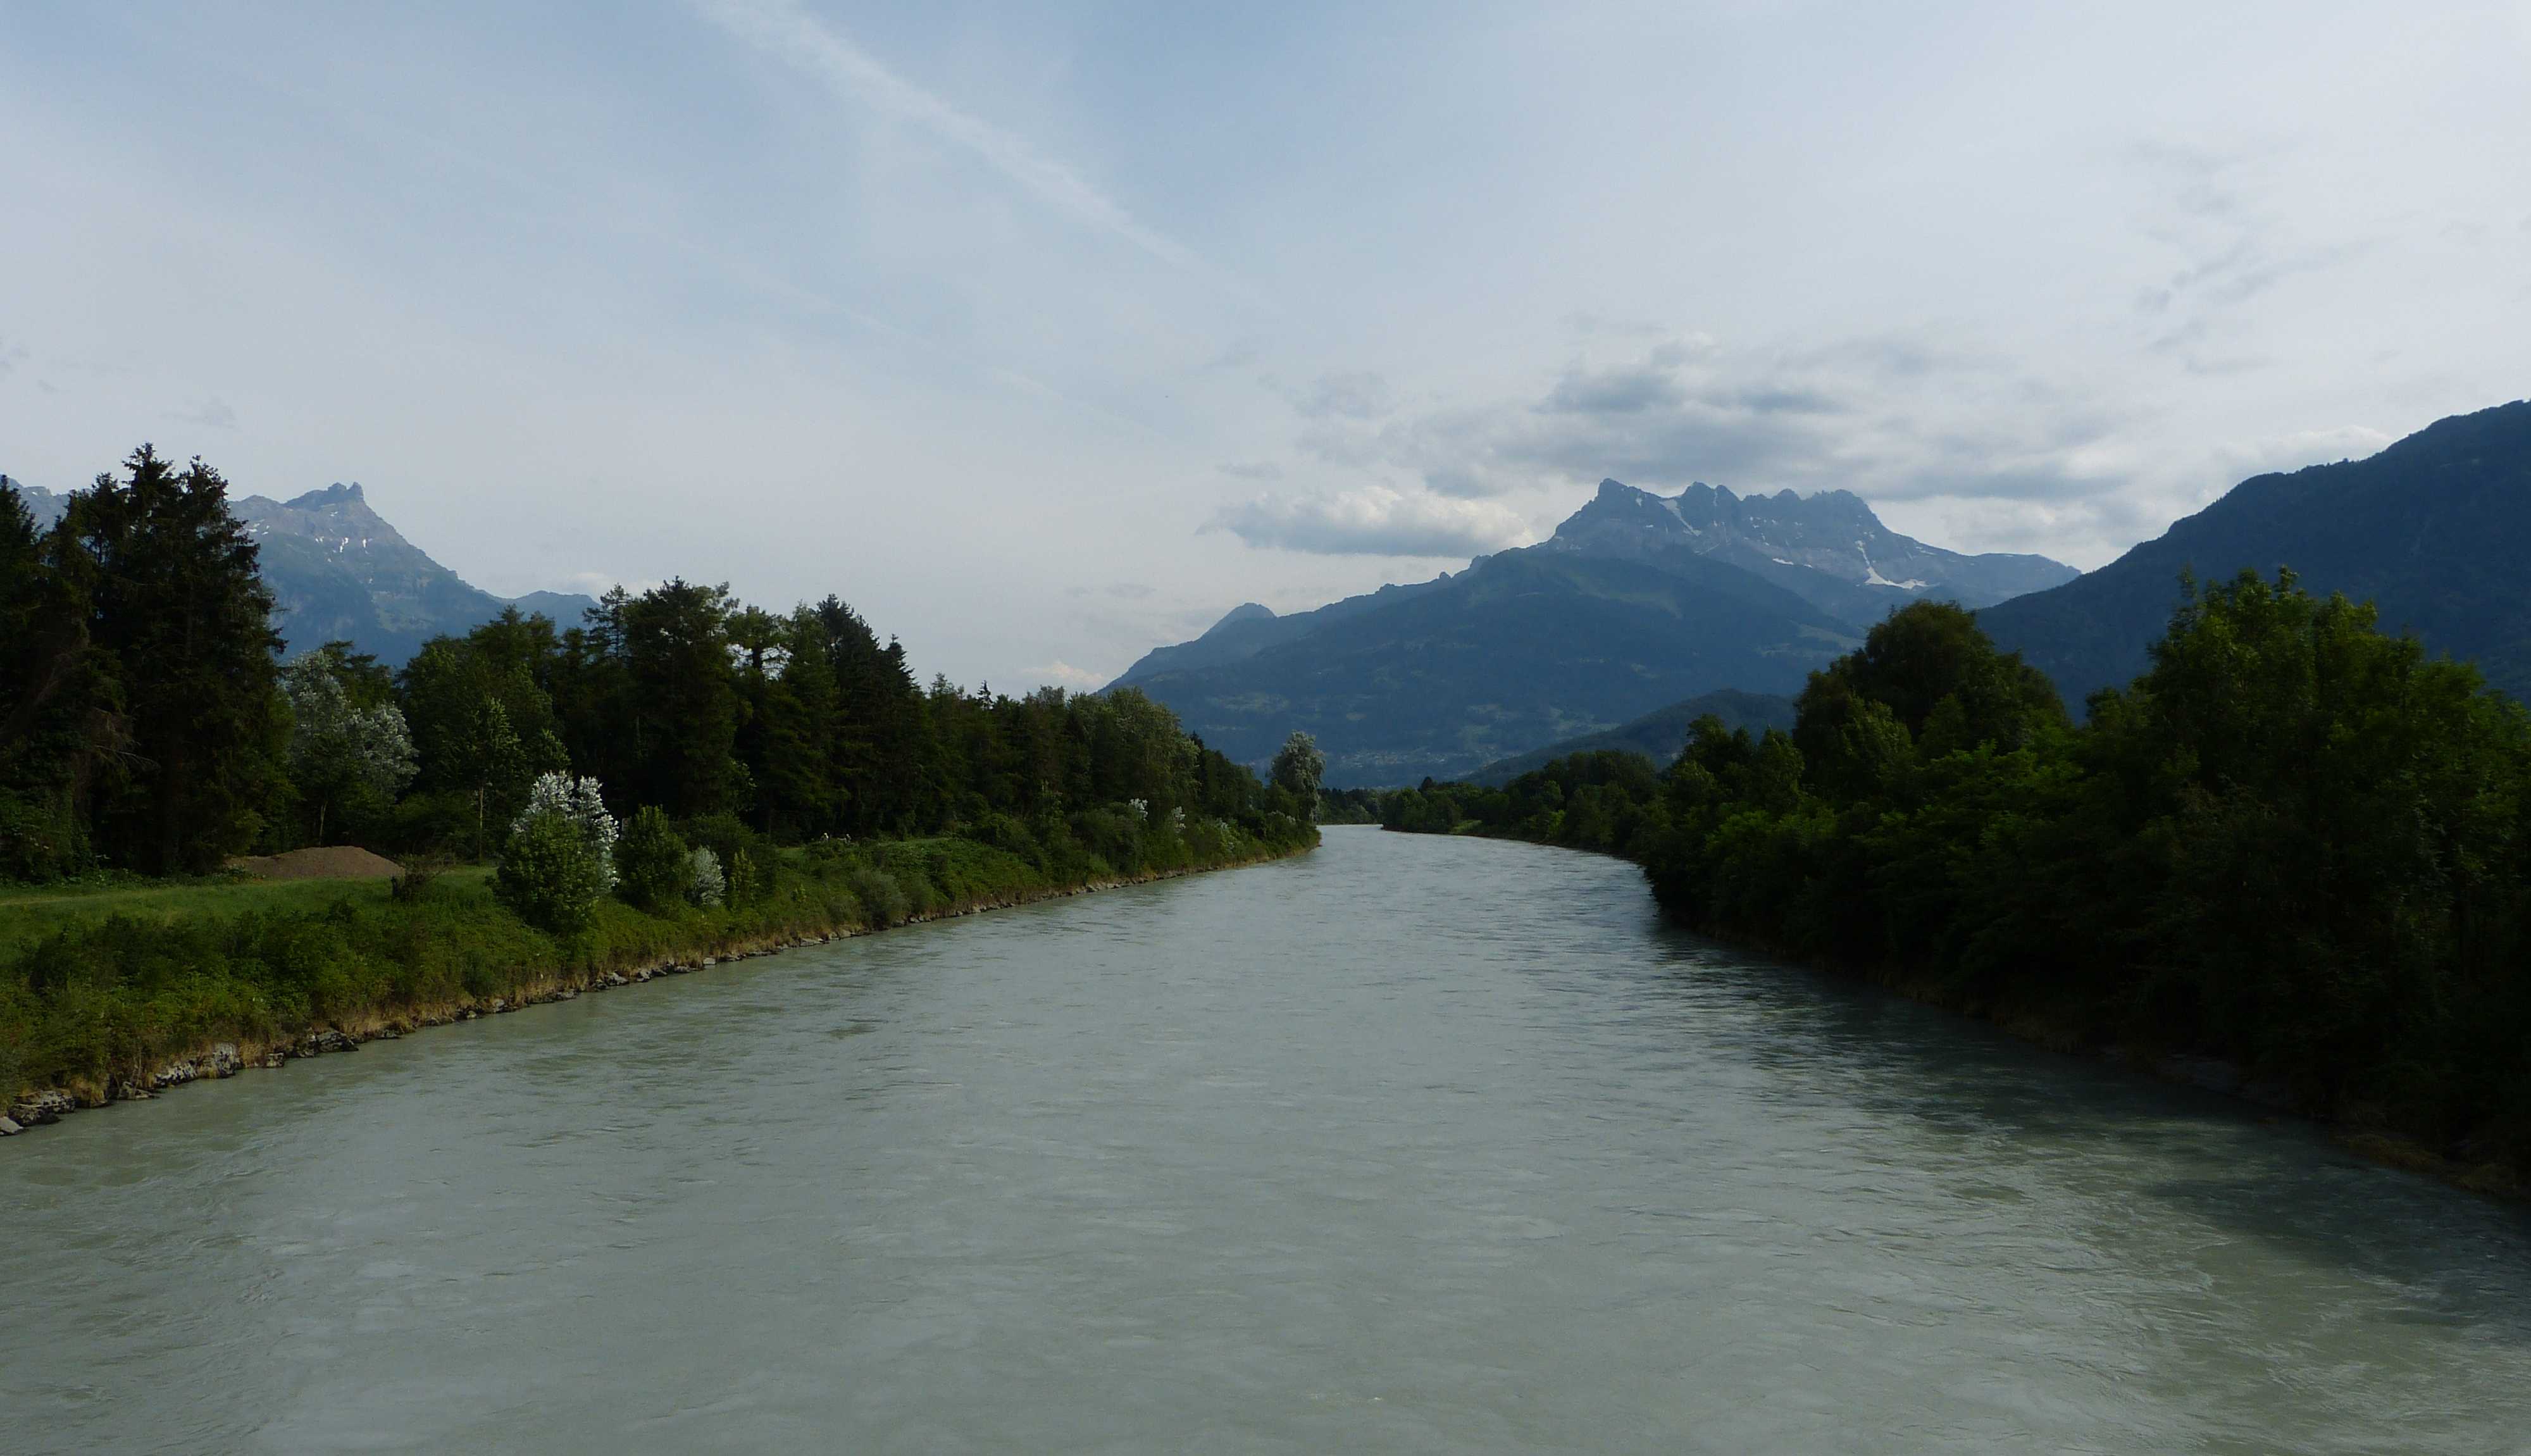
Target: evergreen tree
684	701
177	609
60	721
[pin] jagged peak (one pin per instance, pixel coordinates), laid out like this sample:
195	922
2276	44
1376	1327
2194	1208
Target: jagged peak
335	494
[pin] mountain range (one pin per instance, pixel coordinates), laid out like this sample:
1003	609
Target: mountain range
339	572
2435	530
1637	601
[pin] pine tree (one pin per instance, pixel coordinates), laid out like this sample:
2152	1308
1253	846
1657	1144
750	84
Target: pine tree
176	606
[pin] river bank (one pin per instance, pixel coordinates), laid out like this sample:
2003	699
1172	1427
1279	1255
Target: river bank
160	1037
2067	1030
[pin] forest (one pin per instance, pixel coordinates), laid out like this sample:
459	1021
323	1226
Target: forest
2296	843
679	769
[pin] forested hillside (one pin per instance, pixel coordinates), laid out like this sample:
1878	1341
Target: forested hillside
2295	843
2434	531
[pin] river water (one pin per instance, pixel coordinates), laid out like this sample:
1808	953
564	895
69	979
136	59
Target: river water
1410	1145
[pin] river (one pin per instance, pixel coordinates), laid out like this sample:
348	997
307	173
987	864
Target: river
1408	1145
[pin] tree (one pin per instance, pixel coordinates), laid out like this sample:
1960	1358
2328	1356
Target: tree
656	867
61	724
560	859
1298	768
176	606
482	722
548	876
346	760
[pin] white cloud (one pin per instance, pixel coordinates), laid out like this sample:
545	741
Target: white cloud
1373	520
1060	671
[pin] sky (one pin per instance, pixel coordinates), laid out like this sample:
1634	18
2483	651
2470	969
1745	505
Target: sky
1044	334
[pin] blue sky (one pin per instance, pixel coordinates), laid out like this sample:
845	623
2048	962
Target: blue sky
1047	333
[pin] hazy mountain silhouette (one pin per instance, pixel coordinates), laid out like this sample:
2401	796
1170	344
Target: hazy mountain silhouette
338	571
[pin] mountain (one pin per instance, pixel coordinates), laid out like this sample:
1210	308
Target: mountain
1829	548
1251	628
1658	735
338	571
1523	648
2436	529
1638	600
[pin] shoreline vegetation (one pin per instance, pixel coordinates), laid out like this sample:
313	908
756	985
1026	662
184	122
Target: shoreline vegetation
399	963
678	775
2290	862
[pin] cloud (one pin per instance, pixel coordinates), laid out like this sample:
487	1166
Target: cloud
1889	418
782	29
1253	469
210	413
1355	396
1619	391
2228	250
1373	520
1060	671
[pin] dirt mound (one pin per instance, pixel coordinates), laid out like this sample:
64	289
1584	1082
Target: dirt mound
338	861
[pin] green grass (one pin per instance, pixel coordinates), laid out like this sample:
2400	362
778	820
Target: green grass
102	984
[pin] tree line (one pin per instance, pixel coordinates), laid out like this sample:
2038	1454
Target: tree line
2297	842
147	723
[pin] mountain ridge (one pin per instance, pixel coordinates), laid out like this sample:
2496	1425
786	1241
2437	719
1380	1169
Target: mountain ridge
2434	529
338	571
1637	601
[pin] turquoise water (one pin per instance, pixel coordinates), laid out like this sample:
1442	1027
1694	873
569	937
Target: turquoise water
1410	1145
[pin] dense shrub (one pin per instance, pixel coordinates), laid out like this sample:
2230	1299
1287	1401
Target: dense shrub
549	875
654	866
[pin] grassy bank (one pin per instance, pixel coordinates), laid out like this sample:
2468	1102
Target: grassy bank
116	991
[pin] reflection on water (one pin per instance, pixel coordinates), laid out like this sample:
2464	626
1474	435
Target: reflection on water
1413	1145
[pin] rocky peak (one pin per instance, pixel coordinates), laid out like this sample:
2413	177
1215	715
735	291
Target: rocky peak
1829	546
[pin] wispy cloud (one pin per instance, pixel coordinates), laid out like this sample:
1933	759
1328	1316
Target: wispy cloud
782	29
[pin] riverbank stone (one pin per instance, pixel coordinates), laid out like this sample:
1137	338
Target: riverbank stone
39	1108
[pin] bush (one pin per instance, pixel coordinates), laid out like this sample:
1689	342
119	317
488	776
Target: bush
551	877
705	883
746	857
654	866
1008	835
883	899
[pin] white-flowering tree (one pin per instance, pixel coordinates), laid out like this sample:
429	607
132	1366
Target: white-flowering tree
343	757
561	855
580	802
707	887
